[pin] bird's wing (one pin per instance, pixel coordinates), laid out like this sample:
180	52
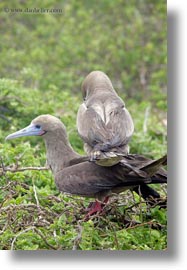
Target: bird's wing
155	165
90	125
108	123
88	179
148	165
119	122
140	165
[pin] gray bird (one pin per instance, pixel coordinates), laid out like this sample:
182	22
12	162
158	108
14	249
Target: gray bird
74	174
103	122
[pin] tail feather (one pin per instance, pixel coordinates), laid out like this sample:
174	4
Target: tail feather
155	165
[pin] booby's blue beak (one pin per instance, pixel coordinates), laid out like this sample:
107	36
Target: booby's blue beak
31	130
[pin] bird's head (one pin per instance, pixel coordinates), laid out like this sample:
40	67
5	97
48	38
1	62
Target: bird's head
40	126
96	81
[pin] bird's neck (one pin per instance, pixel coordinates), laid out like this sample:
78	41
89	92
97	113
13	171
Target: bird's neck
59	153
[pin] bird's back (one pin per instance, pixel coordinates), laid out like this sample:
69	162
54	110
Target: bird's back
103	122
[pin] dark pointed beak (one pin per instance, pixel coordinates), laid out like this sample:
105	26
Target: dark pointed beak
30	130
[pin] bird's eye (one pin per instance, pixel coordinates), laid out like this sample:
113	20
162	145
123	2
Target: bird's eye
38	126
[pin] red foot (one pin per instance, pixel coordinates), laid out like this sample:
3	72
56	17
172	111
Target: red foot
95	207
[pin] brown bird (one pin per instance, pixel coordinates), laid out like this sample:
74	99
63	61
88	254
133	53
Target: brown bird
103	122
74	174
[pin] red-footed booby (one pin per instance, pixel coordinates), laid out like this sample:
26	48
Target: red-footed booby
103	122
74	174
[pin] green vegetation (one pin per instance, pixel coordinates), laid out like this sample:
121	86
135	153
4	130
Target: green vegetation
43	60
